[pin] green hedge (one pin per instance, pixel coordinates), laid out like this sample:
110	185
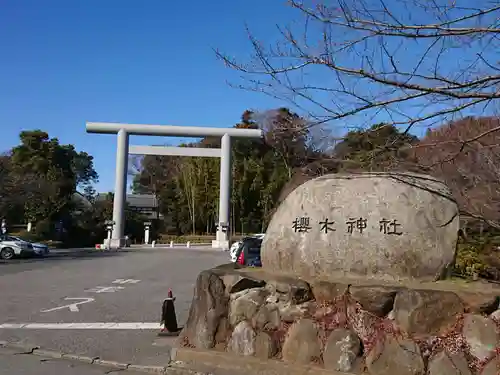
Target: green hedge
166	238
163	238
53	244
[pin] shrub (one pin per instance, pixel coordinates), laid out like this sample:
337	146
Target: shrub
53	244
479	256
468	262
44	229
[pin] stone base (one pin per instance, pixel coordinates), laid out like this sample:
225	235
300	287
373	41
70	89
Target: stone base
221	240
346	326
115	243
217	244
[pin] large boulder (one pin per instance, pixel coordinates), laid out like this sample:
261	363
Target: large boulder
302	345
481	336
341	350
387	226
421	312
207	312
395	356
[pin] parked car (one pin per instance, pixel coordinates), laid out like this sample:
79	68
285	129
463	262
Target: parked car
39	249
233	250
248	253
8	252
11	246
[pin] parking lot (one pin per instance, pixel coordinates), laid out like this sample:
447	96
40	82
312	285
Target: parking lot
105	304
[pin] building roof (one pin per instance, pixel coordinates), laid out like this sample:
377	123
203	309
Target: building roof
136	200
142	200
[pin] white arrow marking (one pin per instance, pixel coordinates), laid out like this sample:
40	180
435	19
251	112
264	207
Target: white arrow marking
73	307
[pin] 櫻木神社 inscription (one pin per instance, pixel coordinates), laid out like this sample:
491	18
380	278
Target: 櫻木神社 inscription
356	224
360	225
376	225
327	225
301	225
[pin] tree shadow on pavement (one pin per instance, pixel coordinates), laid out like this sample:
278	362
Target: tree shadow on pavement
66	255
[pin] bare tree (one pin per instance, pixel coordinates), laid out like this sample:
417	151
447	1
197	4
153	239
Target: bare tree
413	62
288	135
471	169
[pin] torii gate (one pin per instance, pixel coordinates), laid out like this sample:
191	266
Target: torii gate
122	151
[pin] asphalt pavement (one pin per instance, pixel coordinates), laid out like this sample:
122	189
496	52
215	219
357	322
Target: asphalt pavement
100	304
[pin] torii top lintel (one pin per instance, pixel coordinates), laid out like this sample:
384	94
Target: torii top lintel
171	130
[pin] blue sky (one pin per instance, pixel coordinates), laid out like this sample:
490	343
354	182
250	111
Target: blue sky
66	62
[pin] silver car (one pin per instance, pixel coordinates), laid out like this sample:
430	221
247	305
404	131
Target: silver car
11	246
39	249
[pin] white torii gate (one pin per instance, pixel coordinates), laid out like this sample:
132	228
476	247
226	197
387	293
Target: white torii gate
122	151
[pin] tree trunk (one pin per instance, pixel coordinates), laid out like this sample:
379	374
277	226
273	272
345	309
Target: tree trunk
232	219
193	215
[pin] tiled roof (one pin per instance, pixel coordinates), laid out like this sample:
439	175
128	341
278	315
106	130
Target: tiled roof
142	200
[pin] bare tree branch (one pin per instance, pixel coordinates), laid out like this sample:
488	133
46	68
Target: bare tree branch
414	62
466	154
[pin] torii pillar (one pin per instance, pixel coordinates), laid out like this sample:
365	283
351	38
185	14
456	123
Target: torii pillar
122	151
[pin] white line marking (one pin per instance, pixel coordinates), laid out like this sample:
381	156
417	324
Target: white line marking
105	289
126	281
73	307
97	325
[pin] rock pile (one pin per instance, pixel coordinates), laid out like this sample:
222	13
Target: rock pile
352	328
366	252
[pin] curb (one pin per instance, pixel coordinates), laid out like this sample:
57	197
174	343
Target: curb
71	357
169	369
48	354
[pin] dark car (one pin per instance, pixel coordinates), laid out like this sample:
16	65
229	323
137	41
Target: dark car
248	253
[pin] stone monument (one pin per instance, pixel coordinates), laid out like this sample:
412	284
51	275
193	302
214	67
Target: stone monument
350	284
376	225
